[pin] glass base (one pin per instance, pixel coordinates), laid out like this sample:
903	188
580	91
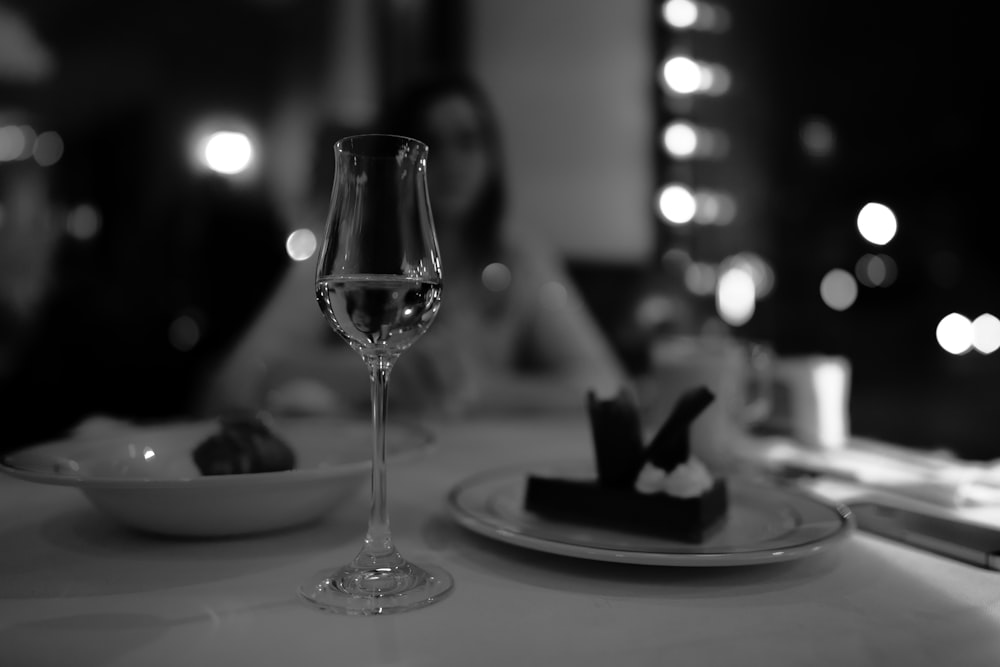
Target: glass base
369	590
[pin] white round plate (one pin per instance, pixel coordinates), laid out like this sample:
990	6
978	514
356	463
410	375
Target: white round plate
145	477
764	524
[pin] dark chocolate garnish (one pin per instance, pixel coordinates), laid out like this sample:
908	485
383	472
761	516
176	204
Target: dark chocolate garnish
671	445
617	436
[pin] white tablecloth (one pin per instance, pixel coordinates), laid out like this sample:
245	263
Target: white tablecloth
77	590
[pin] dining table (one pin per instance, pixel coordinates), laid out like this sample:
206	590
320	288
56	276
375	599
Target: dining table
78	589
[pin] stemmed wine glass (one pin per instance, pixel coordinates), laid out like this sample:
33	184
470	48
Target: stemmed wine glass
378	283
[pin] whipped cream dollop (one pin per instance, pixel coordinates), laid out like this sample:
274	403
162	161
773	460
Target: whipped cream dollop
688	480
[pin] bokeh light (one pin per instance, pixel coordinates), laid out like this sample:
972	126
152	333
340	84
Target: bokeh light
682	75
817	138
955	333
684	140
877	223
685	76
48	148
757	267
83	222
680	139
838	289
735	296
677	258
715	79
228	152
712	142
676	204
700	278
986	333
30	136
301	244
656	310
184	333
680	14
13	143
875	270
496	277
714	208
695	15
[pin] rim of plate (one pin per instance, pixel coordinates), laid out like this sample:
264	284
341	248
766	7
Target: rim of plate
501	531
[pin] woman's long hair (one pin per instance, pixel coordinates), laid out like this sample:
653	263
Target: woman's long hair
407	115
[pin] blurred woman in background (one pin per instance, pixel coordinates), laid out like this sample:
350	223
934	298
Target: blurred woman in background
513	333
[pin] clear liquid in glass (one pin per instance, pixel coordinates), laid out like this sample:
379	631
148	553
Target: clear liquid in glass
379	314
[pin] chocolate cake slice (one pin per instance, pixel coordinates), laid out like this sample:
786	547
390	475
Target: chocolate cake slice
614	499
683	519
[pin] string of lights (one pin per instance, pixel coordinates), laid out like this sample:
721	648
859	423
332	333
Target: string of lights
686	201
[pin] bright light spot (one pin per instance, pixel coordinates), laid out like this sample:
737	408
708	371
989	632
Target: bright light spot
757	267
817	138
700	278
680	139
48	148
838	289
301	244
83	222
13	143
735	296
184	333
829	382
877	223
684	140
677	204
682	75
690	15
148	453
496	277
955	333
680	14
986	333
228	152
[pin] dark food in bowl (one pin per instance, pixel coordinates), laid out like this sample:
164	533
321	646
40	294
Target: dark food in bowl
243	444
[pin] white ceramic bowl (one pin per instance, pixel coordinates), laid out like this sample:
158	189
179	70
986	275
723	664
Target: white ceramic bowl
146	477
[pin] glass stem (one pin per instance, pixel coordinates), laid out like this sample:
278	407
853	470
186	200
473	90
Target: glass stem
378	541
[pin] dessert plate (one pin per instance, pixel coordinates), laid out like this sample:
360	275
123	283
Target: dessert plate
145	477
764	524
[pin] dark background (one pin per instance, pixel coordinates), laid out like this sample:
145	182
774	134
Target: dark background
908	91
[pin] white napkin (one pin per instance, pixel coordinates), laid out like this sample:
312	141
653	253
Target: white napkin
930	476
